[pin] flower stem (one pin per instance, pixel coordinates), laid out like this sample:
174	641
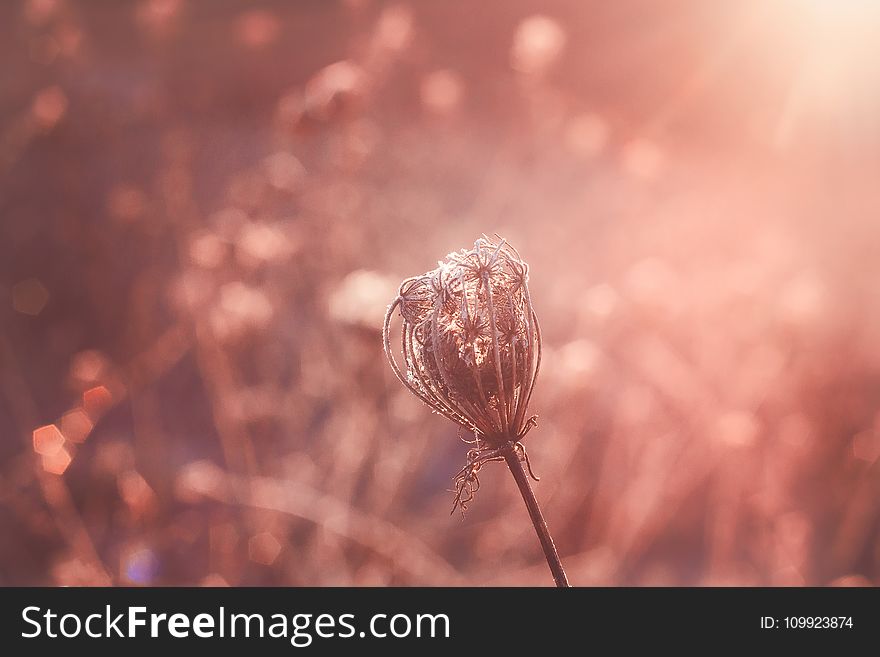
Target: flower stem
528	495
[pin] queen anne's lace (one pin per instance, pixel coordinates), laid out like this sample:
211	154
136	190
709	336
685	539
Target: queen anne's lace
472	348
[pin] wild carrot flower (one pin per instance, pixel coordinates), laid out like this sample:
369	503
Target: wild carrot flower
471	349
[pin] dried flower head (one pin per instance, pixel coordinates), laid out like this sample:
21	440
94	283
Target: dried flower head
472	348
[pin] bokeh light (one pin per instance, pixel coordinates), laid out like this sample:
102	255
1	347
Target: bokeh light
206	208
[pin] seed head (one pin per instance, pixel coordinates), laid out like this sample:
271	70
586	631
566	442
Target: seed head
470	340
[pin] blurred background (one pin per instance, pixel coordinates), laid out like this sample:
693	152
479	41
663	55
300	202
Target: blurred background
205	208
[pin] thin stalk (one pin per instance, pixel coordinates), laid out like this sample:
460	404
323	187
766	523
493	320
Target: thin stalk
528	495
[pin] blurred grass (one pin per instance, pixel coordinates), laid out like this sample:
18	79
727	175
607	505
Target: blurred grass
202	225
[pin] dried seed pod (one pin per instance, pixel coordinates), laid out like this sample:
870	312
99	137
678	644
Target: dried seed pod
471	350
470	340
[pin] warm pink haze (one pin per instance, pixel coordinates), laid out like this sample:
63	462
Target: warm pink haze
206	208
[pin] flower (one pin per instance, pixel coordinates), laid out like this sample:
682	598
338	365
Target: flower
472	349
471	343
